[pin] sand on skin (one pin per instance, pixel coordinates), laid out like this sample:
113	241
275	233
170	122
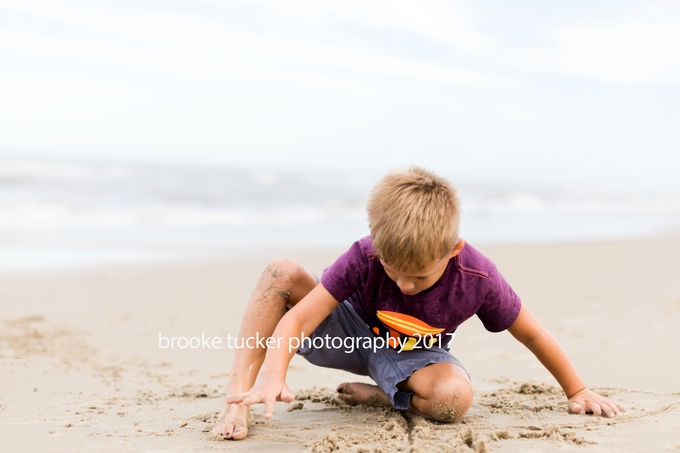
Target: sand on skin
80	368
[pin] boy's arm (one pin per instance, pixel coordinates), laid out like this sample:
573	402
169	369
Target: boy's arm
527	330
301	320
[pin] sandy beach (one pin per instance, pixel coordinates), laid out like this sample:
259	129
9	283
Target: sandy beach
81	368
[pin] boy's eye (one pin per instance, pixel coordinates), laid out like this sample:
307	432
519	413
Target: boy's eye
421	278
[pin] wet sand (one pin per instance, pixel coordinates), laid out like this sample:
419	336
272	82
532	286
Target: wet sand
81	370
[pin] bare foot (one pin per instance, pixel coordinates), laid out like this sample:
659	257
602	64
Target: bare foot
233	422
359	393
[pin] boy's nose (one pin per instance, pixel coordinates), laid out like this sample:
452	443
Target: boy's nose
405	285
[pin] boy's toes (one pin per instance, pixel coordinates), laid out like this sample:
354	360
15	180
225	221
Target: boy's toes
230	431
221	430
232	423
361	393
218	431
239	430
345	393
344	390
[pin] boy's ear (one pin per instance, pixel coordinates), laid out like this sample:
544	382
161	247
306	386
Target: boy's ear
459	246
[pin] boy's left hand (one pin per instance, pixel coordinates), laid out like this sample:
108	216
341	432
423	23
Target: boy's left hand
587	401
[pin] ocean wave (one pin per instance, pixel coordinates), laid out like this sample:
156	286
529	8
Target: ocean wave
153	204
55	215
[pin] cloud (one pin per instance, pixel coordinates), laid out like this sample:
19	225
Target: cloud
635	44
164	60
28	93
193	45
620	52
440	21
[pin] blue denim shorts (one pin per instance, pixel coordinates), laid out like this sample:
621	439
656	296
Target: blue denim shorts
346	333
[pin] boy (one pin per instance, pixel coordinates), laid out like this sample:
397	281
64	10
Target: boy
411	283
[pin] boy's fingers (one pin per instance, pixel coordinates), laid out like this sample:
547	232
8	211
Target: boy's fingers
594	408
606	407
576	408
606	410
238	398
286	396
253	398
610	409
269	408
614	407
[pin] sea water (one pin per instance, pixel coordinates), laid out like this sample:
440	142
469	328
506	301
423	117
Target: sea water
56	214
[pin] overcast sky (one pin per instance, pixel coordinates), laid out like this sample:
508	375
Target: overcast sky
585	91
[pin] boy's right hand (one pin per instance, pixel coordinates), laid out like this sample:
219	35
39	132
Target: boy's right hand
266	392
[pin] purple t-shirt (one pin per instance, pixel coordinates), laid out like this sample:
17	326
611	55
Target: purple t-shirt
470	285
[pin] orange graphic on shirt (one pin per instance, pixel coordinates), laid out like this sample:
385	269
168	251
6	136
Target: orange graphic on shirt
407	325
400	324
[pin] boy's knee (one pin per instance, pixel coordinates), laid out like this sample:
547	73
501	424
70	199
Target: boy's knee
289	278
451	399
287	269
283	268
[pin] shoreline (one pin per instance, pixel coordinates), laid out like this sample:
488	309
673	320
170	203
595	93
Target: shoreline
190	255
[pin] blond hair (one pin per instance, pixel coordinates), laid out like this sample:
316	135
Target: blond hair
413	216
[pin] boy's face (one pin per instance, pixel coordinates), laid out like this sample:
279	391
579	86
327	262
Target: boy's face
412	281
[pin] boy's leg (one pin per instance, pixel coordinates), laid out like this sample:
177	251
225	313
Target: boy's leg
283	283
442	392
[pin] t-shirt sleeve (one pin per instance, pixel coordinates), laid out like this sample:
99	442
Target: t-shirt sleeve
347	274
500	306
